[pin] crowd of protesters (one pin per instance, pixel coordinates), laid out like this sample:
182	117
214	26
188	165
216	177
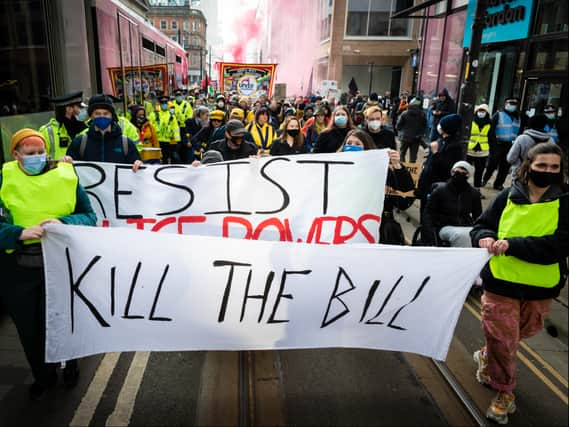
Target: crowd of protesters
525	227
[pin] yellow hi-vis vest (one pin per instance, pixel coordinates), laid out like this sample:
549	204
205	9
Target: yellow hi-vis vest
32	199
535	220
479	136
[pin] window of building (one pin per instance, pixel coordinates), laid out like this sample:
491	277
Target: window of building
195	60
550	55
25	81
175	37
174	25
163	25
371	18
187	25
552	17
194	26
325	18
195	41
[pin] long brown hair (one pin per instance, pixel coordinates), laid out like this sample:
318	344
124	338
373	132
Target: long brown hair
536	150
299	139
363	136
332	125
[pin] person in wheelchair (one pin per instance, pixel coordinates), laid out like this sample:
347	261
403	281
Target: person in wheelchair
452	207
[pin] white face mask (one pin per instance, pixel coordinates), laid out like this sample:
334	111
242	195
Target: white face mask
374	125
481	114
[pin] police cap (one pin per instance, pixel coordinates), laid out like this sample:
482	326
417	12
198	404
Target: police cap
68	99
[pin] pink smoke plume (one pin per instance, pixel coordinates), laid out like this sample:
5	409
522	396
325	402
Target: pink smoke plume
246	29
293	27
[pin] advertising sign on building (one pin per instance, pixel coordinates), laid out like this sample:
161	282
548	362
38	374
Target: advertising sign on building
139	79
503	21
247	79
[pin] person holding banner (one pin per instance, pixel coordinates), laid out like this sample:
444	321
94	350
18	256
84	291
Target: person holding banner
104	140
398	179
234	146
35	191
291	141
331	138
526	228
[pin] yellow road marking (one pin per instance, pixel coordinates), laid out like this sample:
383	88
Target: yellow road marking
529	364
533	354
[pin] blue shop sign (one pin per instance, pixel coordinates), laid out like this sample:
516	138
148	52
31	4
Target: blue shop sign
504	20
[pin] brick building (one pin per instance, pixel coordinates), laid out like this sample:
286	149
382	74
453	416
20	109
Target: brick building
186	25
355	38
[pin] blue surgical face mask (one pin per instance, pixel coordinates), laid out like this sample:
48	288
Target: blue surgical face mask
164	107
341	120
102	122
352	148
511	108
82	116
179	99
550	116
34	163
172	110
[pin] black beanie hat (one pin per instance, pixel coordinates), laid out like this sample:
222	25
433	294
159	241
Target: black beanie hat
451	124
101	101
538	122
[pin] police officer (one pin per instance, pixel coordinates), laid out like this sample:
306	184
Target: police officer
69	120
35	191
551	125
507	125
478	146
183	111
168	130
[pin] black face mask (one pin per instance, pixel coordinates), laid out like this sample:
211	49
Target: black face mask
293	132
140	120
543	179
460	181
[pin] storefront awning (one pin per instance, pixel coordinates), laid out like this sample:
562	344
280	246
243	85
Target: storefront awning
405	13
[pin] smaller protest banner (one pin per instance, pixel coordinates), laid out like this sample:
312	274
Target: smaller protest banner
247	79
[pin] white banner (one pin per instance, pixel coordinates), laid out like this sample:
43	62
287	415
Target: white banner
116	289
325	198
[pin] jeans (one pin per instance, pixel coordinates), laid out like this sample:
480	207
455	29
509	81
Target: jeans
458	237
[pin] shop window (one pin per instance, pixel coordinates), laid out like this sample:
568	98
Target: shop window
451	60
429	73
548	55
371	18
552	17
325	19
25	81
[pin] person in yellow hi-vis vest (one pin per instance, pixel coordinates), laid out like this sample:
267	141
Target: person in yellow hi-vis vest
526	229
261	130
184	112
168	131
69	120
478	146
35	191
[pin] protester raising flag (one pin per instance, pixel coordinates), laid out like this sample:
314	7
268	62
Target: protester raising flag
353	87
206	82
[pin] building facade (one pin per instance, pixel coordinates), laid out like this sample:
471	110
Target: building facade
357	39
524	52
187	26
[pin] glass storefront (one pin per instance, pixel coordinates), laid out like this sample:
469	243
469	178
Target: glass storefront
441	65
24	83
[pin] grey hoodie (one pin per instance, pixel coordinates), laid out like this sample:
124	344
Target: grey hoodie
522	145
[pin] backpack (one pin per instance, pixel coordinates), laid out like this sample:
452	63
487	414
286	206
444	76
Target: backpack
83	145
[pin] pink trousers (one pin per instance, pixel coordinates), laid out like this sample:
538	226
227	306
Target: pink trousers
505	322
